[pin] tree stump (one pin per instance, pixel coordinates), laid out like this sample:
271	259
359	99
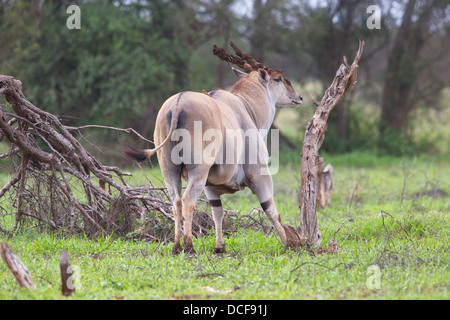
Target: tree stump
17	268
325	182
67	286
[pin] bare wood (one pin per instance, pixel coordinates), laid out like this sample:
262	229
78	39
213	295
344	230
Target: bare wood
127	130
50	223
67	286
344	80
17	268
21	187
67	160
11	182
325	182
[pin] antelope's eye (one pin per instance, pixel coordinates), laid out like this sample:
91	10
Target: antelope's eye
277	79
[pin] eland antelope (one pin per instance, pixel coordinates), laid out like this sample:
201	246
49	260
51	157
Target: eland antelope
208	140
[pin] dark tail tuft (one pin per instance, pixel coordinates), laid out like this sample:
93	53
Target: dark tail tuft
134	153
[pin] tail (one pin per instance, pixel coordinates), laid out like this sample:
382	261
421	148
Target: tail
141	155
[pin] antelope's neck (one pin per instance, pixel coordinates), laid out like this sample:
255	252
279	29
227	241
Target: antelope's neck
257	102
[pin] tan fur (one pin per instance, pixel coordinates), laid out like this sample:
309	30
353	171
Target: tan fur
249	106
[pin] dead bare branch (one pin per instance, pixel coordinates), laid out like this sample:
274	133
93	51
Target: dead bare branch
64	186
345	79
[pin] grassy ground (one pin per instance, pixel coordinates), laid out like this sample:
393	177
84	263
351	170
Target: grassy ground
394	243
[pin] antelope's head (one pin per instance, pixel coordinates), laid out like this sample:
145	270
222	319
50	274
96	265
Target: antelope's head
279	88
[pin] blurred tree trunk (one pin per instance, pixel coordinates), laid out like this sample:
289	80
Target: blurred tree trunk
400	74
329	29
223	27
221	69
258	36
405	66
264	27
342	45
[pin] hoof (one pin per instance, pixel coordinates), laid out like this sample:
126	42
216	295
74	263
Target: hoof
293	237
189	250
219	250
176	249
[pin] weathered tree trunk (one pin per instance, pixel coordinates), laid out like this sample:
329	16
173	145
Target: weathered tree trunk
405	66
311	163
17	268
400	76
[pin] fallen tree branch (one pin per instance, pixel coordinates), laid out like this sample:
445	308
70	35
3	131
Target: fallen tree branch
57	181
127	130
10	183
50	223
17	268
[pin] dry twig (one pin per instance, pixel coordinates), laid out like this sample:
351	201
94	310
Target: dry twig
63	185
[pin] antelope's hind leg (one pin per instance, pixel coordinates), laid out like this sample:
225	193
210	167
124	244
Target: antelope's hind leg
178	219
196	184
172	180
262	187
217	211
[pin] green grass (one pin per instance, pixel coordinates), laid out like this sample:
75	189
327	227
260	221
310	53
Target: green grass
409	244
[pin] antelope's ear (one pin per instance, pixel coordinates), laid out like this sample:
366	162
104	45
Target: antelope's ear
239	73
263	75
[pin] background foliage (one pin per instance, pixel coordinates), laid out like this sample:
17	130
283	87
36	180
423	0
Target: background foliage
129	56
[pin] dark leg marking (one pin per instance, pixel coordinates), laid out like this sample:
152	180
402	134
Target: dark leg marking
266	204
215	203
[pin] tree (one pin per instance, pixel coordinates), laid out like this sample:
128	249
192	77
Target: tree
311	163
325	31
423	25
122	62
